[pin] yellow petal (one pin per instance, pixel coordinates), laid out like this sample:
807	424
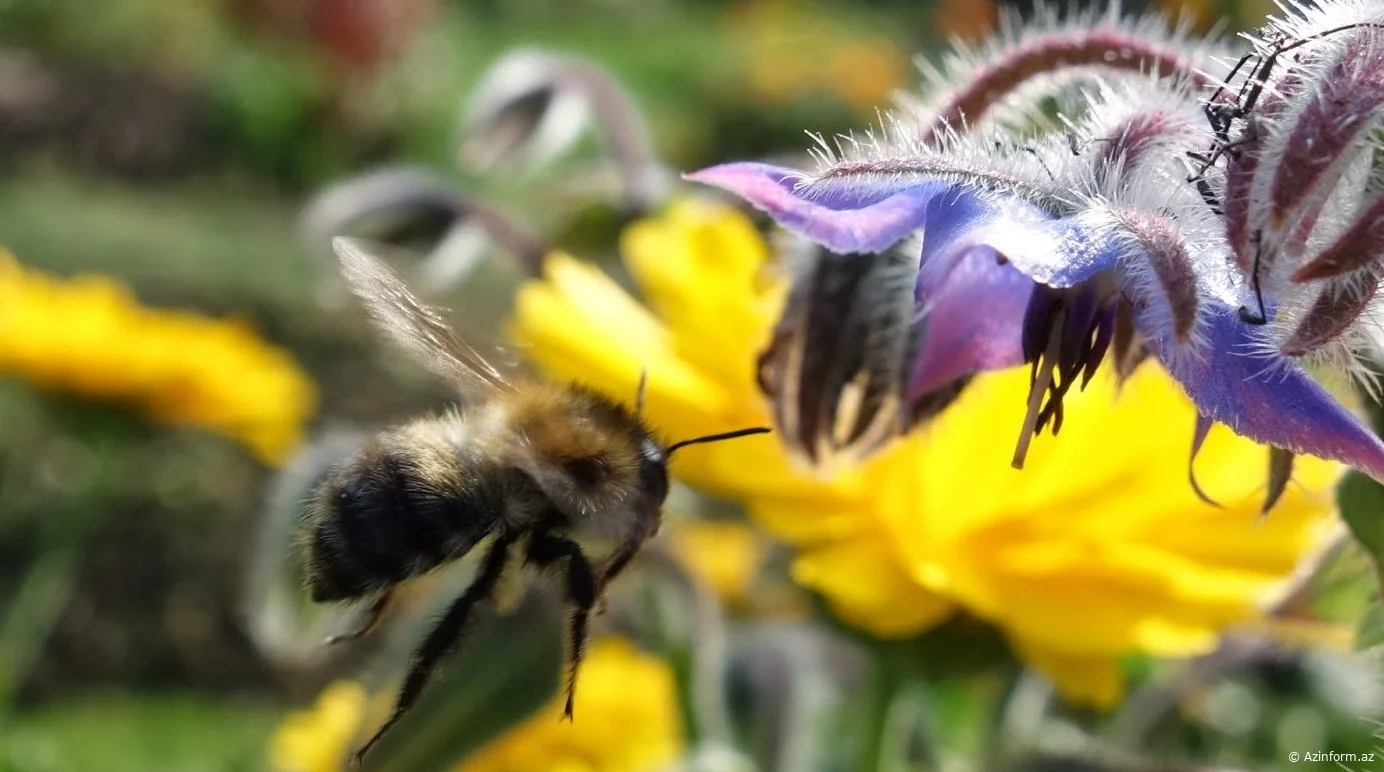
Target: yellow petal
316	740
725	555
582	326
625	720
1094	681
867	588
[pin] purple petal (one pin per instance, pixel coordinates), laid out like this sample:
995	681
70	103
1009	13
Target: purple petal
959	340
1265	397
864	220
862	213
973	295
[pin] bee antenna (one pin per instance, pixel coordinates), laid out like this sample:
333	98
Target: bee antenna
718	437
639	395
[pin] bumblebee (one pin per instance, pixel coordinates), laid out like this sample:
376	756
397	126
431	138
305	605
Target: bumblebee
525	470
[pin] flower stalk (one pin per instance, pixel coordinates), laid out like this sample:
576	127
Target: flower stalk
1107	48
1035	59
882	742
533	105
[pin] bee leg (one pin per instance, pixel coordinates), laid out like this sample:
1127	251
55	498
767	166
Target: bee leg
441	640
621	558
612	568
546	549
377	614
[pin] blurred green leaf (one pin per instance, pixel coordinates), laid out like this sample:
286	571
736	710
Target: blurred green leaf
32	615
503	672
120	732
236	246
688	627
962	646
1370	632
1361	502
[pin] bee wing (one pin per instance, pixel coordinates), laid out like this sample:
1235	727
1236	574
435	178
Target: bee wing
418	328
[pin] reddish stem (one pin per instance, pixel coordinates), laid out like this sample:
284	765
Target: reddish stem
1110	48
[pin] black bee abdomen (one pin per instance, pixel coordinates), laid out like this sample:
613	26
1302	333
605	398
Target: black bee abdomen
387	523
334	576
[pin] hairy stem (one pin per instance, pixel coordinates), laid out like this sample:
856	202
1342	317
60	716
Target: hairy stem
1108	48
625	134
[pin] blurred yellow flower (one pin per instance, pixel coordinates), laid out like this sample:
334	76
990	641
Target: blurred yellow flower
625	720
88	336
724	555
795	50
317	739
968	20
865	74
1097	549
1203	15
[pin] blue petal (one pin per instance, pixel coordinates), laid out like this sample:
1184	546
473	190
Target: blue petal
1265	397
1056	252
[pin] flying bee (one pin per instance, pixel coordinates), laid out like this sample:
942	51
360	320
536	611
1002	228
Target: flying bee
525	471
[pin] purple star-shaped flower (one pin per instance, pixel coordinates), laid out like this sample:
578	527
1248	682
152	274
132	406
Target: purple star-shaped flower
1005	280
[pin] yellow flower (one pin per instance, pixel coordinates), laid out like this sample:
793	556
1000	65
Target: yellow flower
969	20
625	720
1203	14
317	739
1096	550
88	336
724	555
796	50
867	73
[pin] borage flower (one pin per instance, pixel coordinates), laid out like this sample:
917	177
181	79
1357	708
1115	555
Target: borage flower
1097	551
1056	258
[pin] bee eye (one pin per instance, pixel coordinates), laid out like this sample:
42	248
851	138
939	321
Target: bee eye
350	492
587	471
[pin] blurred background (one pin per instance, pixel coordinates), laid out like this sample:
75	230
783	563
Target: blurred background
174	147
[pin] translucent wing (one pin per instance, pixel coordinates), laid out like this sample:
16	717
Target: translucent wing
418	328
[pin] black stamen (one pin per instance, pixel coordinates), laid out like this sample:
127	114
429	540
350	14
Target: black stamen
1066	335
